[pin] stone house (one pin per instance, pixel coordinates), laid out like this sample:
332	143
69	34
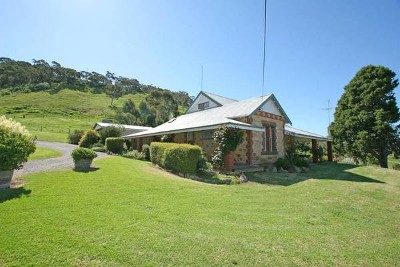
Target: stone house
261	118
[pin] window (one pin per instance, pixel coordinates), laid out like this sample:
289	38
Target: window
270	139
189	138
206	135
203	105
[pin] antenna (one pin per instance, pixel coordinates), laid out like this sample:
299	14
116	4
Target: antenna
329	111
265	34
201	86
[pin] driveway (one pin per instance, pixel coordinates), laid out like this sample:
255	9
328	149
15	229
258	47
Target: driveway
63	162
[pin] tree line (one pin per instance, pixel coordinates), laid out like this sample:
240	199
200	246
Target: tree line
159	106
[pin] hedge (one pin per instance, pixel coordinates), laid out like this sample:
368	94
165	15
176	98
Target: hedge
115	145
182	158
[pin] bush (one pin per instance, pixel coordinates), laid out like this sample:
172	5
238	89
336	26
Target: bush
115	145
396	166
299	162
99	149
111	131
181	158
146	152
83	153
75	136
89	138
16	144
157	151
282	163
134	154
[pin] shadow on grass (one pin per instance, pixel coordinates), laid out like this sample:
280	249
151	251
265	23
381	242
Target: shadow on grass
91	169
324	171
11	193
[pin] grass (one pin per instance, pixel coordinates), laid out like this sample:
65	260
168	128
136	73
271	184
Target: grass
44	153
51	116
128	213
392	161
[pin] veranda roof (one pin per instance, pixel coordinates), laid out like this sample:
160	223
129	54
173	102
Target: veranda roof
289	130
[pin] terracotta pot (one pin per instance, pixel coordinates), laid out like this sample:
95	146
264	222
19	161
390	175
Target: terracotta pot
229	161
83	164
5	178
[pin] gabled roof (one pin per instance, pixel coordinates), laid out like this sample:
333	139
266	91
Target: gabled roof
219	99
214	117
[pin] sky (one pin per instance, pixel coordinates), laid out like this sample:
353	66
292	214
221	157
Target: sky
313	48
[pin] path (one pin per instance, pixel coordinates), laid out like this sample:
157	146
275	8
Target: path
63	162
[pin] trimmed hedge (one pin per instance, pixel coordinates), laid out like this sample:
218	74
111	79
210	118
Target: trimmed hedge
115	145
183	158
89	138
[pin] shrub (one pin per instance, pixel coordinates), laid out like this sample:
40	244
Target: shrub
83	153
157	151
396	166
99	149
75	136
111	131
16	144
89	138
115	145
146	152
282	163
299	162
181	158
134	154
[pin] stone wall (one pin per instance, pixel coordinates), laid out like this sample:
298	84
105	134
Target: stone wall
260	119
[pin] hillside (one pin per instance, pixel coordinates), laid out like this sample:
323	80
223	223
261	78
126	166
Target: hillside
51	116
52	100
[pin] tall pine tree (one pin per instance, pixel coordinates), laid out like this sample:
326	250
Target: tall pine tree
366	114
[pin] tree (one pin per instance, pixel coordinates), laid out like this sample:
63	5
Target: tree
365	116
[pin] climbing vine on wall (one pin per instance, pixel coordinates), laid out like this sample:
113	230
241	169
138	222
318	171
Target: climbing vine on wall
226	139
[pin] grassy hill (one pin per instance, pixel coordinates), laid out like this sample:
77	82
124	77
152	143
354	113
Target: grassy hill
51	116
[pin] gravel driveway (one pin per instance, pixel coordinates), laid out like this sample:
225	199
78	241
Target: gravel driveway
63	162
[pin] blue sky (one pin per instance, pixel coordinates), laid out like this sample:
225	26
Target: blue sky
314	47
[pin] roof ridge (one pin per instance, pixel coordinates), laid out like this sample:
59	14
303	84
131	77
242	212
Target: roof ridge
221	96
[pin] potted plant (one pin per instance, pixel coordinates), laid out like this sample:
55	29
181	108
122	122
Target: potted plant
83	158
16	144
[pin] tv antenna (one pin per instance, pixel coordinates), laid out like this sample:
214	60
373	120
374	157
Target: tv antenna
201	85
329	108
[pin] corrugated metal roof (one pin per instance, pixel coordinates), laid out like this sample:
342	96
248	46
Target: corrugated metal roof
213	117
289	130
220	99
125	126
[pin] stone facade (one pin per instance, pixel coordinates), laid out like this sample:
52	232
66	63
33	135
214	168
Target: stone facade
252	150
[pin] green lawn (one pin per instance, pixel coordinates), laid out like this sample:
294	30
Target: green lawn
44	153
128	213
